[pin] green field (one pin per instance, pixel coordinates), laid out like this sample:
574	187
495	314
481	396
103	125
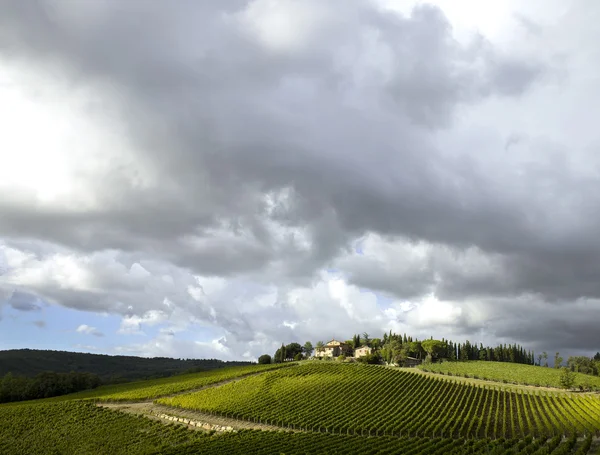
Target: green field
82	428
513	373
375	401
154	388
320	407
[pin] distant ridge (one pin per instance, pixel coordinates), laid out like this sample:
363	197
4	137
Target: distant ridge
110	368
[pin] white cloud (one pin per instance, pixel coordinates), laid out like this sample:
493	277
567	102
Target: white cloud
88	330
295	131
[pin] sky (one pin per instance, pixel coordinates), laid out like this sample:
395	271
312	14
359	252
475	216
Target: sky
213	179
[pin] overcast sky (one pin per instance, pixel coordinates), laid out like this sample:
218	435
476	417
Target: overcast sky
214	178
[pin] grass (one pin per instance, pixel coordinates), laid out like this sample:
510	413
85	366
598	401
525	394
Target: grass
154	388
511	373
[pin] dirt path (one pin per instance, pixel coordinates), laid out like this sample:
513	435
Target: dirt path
195	420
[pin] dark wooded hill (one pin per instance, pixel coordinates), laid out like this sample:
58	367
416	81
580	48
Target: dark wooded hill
110	368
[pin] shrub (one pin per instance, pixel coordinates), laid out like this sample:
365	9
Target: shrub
264	359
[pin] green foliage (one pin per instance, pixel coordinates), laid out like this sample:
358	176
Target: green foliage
298	357
288	352
308	349
371	359
264	359
510	372
83	428
584	365
567	378
436	349
110	368
362	399
44	385
155	388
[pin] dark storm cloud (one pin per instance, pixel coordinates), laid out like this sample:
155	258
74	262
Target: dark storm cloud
342	118
224	99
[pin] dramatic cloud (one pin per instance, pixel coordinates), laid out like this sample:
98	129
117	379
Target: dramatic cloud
264	171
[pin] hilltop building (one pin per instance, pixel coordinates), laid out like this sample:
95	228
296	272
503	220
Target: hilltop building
334	348
362	351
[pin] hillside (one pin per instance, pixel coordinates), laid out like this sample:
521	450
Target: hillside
371	400
324	407
513	373
154	388
30	362
82	428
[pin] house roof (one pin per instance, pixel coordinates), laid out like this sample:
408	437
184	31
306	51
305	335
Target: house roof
335	343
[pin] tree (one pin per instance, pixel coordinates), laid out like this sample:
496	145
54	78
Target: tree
371	359
367	340
558	360
435	349
415	349
320	347
280	355
298	357
264	359
567	378
597	356
545	356
376	343
540	360
291	350
308	349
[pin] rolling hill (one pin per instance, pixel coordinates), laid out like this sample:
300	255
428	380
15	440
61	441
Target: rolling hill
512	373
318	407
375	401
110	368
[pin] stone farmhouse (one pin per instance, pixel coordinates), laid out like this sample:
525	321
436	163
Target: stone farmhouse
362	351
334	348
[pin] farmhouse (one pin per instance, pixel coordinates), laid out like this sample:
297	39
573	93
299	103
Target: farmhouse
334	348
362	351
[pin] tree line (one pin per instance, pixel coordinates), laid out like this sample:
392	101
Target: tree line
45	385
110	368
395	348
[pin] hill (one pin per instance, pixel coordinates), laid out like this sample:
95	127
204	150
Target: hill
154	388
374	401
82	428
110	368
322	407
513	373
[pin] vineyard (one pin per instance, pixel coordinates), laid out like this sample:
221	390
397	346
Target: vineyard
510	373
366	400
82	428
154	388
269	443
